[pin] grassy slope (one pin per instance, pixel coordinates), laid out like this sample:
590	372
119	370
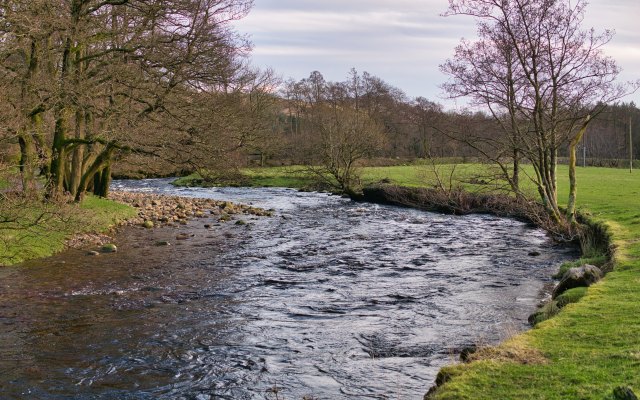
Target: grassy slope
21	242
588	349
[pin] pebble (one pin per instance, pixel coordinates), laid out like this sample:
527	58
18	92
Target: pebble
164	210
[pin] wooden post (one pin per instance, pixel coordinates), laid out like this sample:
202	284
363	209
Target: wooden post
630	147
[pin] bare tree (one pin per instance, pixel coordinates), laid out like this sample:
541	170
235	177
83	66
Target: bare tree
212	130
332	133
344	137
92	78
541	76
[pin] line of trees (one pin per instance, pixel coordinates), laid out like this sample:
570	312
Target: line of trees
542	77
418	128
86	82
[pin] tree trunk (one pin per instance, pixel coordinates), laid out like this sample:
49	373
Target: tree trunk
573	184
27	162
102	189
103	160
78	156
58	156
58	150
516	172
42	149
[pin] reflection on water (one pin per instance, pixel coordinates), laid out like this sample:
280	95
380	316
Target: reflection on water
329	299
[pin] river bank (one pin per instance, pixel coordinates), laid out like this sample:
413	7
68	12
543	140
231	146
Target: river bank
32	228
588	350
595	240
91	224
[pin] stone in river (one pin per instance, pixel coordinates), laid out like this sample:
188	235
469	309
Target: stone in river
585	275
109	248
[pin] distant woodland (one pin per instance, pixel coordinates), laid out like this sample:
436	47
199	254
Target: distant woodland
93	88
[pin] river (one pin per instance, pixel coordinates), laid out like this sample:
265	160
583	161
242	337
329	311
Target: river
327	299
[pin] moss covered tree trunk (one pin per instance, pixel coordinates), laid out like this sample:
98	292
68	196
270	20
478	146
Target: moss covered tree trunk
99	165
27	162
573	182
77	157
59	147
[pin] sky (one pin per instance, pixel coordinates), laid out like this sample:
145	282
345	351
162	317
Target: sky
401	41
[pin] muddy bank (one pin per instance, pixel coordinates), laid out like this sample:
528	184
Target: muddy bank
456	202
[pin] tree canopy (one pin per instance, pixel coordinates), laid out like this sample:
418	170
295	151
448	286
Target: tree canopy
541	76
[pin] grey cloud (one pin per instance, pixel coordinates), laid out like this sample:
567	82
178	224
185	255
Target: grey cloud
402	41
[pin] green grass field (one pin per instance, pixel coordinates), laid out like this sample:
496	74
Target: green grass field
591	346
21	239
296	177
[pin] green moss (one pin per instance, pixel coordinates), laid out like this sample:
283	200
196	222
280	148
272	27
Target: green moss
598	261
109	248
544	313
571	296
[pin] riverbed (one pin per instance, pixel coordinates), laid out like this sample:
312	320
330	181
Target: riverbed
327	299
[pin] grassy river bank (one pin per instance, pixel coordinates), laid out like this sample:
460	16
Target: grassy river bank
32	229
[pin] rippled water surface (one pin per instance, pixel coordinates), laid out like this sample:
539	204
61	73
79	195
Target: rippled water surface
328	299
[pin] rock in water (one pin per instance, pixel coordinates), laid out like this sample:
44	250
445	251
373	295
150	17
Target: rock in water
109	248
585	275
467	352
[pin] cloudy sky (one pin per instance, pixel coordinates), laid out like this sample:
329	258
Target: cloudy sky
401	41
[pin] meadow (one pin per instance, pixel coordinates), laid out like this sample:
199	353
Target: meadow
32	229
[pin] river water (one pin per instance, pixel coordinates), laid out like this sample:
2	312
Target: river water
327	299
